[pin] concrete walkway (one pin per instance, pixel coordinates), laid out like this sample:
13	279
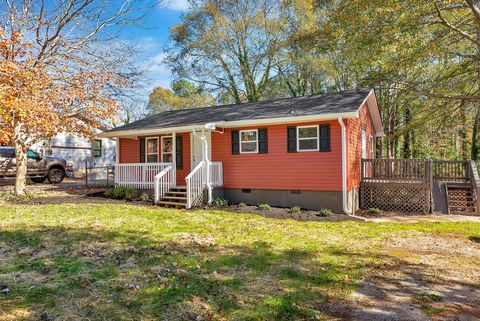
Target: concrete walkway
423	218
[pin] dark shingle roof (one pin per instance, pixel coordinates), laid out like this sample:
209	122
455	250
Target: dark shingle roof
339	102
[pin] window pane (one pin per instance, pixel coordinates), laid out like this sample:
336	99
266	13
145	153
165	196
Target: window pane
152	158
167	145
167	158
308	132
248	136
152	146
249	147
97	144
31	154
307	144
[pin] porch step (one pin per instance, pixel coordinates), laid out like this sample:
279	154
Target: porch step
172	204
175	197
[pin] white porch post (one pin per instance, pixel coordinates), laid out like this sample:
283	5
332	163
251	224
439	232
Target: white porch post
174	156
207	163
117	158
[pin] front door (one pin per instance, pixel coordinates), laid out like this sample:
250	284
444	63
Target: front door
197	148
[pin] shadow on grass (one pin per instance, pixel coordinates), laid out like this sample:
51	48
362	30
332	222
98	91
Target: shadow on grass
80	273
100	275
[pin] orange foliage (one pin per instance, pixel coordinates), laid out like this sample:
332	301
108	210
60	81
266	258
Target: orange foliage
37	100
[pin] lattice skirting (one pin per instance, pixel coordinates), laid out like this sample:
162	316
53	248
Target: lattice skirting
409	199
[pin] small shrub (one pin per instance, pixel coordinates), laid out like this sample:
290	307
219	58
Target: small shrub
11	197
131	194
264	207
119	192
108	193
220	201
145	197
295	209
325	212
374	210
242	204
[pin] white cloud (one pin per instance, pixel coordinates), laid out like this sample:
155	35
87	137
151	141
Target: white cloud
178	5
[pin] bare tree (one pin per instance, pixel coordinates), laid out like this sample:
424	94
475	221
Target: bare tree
70	64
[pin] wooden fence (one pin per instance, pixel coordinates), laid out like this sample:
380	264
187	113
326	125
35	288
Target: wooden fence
406	184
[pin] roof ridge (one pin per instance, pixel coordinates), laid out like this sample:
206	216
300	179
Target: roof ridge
261	101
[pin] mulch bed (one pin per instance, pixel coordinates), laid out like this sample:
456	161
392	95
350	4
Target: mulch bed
367	213
285	213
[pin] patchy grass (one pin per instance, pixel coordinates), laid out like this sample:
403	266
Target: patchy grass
432	311
126	262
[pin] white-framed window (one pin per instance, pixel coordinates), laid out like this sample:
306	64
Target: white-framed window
249	141
167	149
372	150
307	138
151	150
97	148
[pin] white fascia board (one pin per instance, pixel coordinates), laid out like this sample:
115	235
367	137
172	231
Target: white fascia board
230	124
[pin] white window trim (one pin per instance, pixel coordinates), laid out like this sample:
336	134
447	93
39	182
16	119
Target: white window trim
363	143
308	138
166	153
146	148
248	141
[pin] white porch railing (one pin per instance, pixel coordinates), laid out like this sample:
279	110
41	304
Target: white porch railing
164	181
196	181
216	174
138	175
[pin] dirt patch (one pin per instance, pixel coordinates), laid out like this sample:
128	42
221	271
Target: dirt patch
286	213
423	278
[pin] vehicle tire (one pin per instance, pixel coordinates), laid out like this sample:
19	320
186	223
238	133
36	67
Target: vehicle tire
56	175
38	180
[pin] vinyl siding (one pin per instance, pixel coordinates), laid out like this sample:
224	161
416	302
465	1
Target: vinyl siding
278	169
354	145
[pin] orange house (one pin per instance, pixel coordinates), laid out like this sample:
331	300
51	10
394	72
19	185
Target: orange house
303	151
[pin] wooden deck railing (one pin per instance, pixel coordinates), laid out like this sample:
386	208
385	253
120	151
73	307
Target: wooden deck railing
451	170
395	170
416	170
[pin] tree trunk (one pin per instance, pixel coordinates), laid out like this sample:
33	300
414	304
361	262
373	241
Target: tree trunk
407	138
475	133
21	162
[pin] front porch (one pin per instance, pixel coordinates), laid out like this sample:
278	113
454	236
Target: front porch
177	166
162	179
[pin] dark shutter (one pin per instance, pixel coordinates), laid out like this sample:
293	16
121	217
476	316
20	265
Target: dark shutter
262	141
292	139
179	151
324	138
142	150
235	142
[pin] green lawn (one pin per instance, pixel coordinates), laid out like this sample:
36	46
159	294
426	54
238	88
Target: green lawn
126	262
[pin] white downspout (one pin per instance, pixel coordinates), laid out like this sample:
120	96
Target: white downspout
344	167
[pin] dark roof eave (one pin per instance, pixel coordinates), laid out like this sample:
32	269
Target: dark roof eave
227	124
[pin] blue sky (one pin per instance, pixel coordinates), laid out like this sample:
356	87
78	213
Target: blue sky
152	37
